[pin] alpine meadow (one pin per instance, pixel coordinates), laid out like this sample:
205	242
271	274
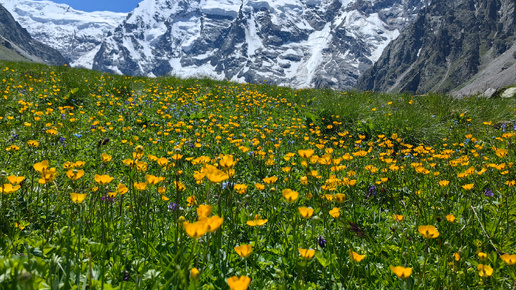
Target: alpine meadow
117	182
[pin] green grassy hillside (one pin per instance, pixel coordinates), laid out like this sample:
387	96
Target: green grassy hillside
137	183
9	55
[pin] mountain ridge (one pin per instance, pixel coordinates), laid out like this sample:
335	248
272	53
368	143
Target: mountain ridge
452	47
17	43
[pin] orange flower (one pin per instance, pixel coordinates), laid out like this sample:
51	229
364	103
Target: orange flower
204	210
74	174
450	218
484	270
307	254
335	212
306	212
289	195
238	283
9	188
77	197
306	154
103	179
397	217
195	230
429	232
140	186
508	259
15	180
355	256
215	175
468	186
122	189
244	250
258	221
240	188
212	223
401	272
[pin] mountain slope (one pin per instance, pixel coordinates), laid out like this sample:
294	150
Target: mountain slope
76	34
462	46
299	43
16	42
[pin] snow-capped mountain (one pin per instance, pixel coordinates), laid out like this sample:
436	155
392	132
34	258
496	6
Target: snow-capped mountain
299	43
76	34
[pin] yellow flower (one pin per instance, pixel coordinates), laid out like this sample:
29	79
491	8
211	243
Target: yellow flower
153	180
340	197
103	179
401	272
259	186
238	283
244	250
141	186
270	180
194	273
15	180
482	256
47	175
74	174
428	232
258	221
33	143
77	197
444	183
306	212
9	188
450	218
508	259
289	194
468	186
212	223
335	212
484	270
105	157
195	230
306	154
307	254
227	162
456	256
204	210
397	217
121	189
39	167
240	188
355	256
191	200
215	175
304	180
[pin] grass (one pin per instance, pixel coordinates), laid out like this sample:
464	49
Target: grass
136	183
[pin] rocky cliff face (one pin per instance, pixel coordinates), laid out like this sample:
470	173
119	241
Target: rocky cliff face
299	43
16	39
461	46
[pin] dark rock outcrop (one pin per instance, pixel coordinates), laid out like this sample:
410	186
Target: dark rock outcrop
15	38
451	47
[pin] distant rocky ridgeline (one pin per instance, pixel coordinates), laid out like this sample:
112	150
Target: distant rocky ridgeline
17	43
464	47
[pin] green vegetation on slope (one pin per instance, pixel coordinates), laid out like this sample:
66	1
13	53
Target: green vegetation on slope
119	182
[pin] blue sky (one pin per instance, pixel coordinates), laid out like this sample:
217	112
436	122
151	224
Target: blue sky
102	5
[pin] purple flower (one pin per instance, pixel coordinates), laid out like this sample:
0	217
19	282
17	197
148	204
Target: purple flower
371	192
173	206
321	241
488	192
